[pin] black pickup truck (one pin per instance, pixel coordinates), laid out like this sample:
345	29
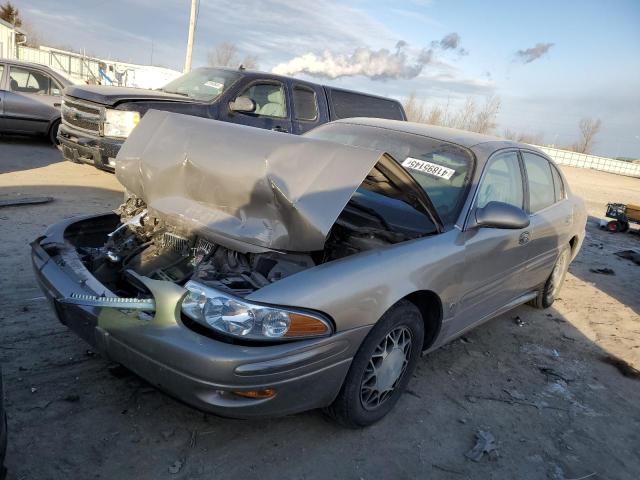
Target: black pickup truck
97	119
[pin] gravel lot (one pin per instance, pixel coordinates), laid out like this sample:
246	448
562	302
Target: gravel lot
536	380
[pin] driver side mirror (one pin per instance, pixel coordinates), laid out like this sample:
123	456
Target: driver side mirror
242	104
500	215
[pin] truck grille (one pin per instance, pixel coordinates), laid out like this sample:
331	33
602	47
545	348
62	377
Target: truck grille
81	115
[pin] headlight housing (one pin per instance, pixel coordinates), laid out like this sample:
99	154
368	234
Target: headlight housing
120	123
242	319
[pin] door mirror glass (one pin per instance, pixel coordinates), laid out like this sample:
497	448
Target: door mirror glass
500	215
242	104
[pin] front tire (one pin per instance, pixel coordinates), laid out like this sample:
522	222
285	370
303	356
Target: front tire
381	368
53	133
552	286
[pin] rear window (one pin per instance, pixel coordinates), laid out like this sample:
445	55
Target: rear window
346	104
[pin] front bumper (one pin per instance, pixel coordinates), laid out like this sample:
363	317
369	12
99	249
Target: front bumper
81	147
199	370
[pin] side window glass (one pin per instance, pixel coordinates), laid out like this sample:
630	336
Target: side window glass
502	181
305	104
558	186
269	99
540	178
1	72
28	81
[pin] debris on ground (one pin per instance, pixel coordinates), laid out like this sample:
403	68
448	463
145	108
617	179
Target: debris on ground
624	367
518	321
175	467
34	389
14	201
603	271
485	443
72	398
630	255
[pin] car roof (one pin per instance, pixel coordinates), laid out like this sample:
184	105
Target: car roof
51	71
452	135
258	74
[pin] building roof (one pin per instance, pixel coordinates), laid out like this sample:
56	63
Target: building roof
4	23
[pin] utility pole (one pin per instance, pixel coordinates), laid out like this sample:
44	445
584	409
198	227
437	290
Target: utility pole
192	28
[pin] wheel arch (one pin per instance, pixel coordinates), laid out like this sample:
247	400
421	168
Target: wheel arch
430	306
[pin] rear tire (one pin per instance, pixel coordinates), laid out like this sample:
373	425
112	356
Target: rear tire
624	226
53	133
552	286
381	368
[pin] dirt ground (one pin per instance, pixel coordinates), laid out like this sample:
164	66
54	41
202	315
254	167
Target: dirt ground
536	380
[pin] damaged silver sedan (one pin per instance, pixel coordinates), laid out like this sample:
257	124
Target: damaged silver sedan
252	273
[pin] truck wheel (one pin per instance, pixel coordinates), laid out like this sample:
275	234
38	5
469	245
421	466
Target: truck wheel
613	226
53	132
381	369
552	286
624	226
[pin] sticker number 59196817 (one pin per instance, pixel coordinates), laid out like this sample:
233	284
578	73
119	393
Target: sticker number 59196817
428	168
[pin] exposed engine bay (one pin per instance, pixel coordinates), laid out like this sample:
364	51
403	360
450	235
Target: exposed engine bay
147	246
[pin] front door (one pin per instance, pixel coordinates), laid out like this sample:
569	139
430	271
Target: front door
494	258
272	107
31	100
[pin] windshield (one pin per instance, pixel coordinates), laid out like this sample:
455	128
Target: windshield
202	84
441	168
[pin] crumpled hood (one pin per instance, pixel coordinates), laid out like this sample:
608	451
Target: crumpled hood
246	188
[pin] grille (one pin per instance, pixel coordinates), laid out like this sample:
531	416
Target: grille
82	115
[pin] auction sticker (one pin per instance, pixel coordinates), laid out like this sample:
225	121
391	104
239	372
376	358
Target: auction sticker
428	168
212	84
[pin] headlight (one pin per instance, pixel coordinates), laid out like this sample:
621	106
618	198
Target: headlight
119	123
239	318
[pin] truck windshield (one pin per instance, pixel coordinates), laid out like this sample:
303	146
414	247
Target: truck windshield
442	169
202	84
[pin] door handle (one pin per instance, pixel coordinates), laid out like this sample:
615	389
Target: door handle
279	129
57	104
524	238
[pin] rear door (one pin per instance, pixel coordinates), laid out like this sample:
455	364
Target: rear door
309	107
494	258
272	106
31	100
550	213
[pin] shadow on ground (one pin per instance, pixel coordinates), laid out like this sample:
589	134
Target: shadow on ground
24	153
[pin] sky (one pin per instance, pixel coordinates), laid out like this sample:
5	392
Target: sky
551	63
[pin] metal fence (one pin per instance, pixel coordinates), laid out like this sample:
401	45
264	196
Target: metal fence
581	160
76	66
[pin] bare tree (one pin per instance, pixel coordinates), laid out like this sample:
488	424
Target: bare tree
531	138
469	116
11	14
227	55
589	128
